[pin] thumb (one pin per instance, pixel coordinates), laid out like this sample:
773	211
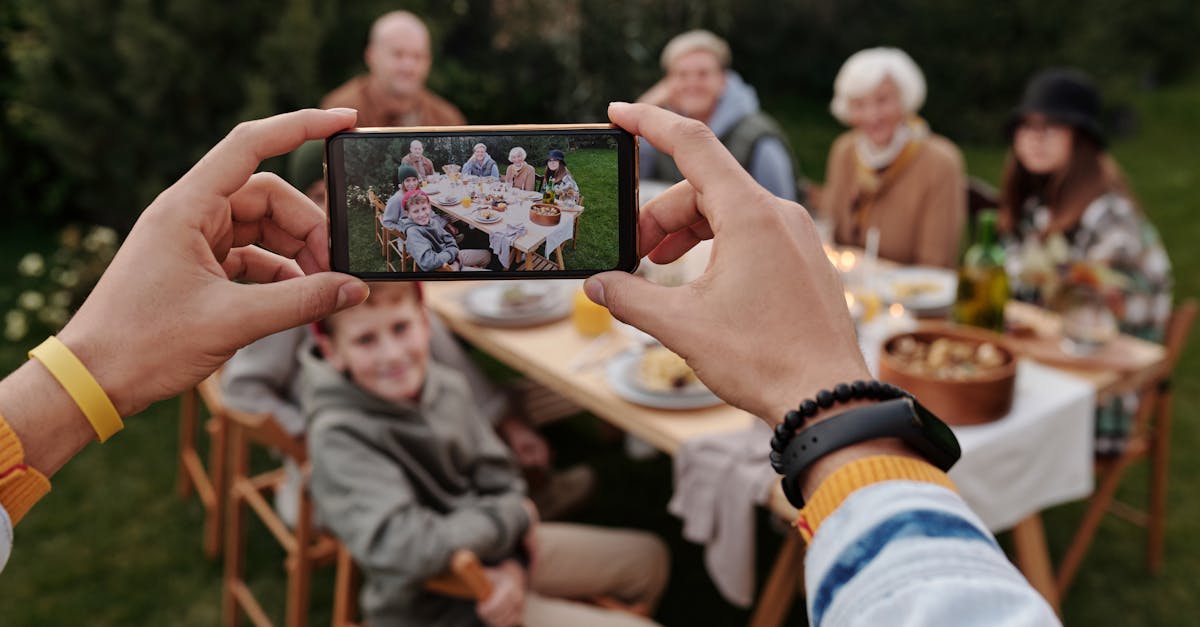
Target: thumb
273	307
634	300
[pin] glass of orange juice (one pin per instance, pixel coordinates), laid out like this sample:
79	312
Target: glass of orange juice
466	202
589	318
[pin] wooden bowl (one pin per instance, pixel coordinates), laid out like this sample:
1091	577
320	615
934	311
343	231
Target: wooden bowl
553	214
981	398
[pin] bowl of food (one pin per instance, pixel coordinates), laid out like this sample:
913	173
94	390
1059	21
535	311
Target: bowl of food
544	214
964	375
499	205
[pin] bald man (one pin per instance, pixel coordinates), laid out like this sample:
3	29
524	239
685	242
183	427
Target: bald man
393	91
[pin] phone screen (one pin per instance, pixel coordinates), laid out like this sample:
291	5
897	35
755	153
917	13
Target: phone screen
482	202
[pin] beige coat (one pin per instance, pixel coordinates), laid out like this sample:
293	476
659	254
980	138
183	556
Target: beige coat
523	180
920	214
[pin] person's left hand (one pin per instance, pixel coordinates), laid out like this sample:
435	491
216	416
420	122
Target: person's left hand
169	310
529	447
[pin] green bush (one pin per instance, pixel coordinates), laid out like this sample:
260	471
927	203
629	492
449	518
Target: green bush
108	101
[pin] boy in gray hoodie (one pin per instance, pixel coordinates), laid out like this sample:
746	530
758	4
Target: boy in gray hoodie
433	247
405	473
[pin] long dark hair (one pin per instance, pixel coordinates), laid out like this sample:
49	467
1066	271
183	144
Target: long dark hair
1090	174
559	173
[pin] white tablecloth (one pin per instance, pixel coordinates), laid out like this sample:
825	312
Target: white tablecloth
1039	455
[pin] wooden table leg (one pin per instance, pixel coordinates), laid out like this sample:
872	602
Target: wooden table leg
558	253
529	261
1033	557
780	590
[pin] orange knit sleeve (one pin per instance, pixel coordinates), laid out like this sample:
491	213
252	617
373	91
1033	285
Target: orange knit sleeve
859	474
21	485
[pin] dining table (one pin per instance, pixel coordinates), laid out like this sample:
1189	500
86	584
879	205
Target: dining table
515	222
1038	456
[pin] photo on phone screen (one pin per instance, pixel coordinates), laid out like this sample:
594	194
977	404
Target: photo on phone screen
482	202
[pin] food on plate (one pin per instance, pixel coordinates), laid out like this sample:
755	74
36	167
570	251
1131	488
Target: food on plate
521	298
946	358
661	370
499	205
488	215
909	290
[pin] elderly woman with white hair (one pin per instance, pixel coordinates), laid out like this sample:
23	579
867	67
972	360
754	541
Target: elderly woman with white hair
889	171
519	174
480	163
700	85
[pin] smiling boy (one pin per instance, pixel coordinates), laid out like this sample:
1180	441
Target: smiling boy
431	246
404	472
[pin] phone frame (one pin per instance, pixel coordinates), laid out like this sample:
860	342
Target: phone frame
627	199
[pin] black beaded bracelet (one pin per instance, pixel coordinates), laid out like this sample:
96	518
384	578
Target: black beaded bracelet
841	393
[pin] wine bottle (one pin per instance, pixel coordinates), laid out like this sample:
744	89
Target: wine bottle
982	280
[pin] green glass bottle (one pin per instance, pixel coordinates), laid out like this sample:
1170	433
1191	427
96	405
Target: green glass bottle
982	280
548	195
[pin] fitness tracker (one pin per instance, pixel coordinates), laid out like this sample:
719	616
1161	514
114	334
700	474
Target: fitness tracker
902	418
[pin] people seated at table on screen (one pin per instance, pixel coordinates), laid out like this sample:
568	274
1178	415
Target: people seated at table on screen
519	174
480	163
401	461
1073	227
417	159
432	247
558	176
393	211
889	171
701	84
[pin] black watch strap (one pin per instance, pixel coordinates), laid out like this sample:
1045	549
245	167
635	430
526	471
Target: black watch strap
902	418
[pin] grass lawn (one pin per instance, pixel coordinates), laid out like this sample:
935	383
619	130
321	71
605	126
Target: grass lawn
114	545
596	246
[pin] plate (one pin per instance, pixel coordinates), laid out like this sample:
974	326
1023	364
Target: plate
920	287
487	304
622	373
478	216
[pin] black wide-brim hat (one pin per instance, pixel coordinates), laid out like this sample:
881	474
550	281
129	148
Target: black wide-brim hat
1064	95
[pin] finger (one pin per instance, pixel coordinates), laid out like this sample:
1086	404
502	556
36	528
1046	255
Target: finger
268	211
679	242
698	153
255	265
670	211
636	301
227	166
273	307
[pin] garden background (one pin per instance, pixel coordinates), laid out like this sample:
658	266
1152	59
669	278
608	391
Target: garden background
105	102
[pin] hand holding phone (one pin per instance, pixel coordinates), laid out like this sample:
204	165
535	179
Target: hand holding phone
553	201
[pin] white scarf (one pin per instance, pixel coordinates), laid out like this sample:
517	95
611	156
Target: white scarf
878	158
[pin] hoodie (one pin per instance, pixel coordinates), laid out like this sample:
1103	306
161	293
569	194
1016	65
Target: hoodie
430	245
770	160
405	485
474	168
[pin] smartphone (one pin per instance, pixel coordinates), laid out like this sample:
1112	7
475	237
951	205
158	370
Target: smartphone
482	202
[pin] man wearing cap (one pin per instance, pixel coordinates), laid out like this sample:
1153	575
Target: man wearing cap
393	92
700	85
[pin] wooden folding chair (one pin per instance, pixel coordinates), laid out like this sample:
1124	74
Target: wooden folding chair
208	483
1150	437
305	546
465	579
396	242
379	205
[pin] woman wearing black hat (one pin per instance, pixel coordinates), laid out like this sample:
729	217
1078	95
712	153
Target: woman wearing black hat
558	176
1075	231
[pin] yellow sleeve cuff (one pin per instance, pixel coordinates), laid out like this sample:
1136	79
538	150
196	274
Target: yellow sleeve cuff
859	474
21	485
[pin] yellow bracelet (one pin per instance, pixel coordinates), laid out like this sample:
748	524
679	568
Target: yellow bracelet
80	385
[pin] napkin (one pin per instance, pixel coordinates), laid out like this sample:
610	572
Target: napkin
719	480
501	241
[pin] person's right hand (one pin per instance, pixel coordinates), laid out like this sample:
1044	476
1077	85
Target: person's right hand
765	326
505	607
168	312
